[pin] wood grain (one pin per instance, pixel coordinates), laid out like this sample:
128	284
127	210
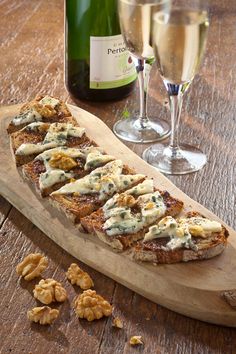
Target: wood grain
30	65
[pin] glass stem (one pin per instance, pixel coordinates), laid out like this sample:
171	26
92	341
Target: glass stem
143	78
175	98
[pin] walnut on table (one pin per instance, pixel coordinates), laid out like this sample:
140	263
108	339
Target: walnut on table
77	276
116	322
32	266
136	340
49	290
44	315
91	306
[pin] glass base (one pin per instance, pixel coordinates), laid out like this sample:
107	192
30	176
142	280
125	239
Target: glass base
175	161
131	130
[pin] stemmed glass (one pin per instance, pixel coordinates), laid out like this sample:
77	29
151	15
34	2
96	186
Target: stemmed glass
178	38
135	17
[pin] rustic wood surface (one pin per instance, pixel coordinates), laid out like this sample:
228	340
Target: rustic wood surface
31	58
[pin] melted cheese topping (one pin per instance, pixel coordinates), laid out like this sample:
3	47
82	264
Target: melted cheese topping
90	184
96	158
49	178
104	181
114	167
27	117
59	132
201	226
30	149
91	149
72	152
31	115
35	126
49	101
123	224
152	206
55	175
57	135
146	186
113	203
104	186
121	220
181	231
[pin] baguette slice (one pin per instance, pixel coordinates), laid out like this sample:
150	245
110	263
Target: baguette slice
36	136
94	224
59	160
76	205
155	250
49	109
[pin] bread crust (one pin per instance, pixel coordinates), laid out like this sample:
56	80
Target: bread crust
156	252
62	112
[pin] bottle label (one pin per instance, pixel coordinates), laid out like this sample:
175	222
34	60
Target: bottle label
110	63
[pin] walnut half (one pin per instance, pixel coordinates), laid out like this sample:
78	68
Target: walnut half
44	315
49	290
62	161
116	322
77	276
46	111
136	340
91	306
32	266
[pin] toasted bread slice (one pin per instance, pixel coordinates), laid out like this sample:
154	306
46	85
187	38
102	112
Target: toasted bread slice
48	110
77	205
156	250
71	163
94	223
37	135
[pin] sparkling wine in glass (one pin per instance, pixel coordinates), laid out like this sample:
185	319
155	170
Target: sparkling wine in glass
135	19
178	38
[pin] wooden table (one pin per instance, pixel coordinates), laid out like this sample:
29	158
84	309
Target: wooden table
31	61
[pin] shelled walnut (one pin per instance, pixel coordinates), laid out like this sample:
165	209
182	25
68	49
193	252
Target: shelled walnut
45	110
91	306
125	200
49	290
116	322
136	340
44	315
62	161
77	276
32	266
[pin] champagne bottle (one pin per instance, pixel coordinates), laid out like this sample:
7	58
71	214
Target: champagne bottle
98	66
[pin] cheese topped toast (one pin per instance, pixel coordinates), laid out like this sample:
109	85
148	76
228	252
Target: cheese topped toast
41	109
37	137
103	196
181	240
54	168
125	217
81	197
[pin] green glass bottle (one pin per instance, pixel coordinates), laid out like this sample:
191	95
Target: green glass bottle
98	66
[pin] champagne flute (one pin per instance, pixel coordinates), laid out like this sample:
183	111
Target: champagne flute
178	38
135	17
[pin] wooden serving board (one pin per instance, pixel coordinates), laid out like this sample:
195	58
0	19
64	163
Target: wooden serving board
193	289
